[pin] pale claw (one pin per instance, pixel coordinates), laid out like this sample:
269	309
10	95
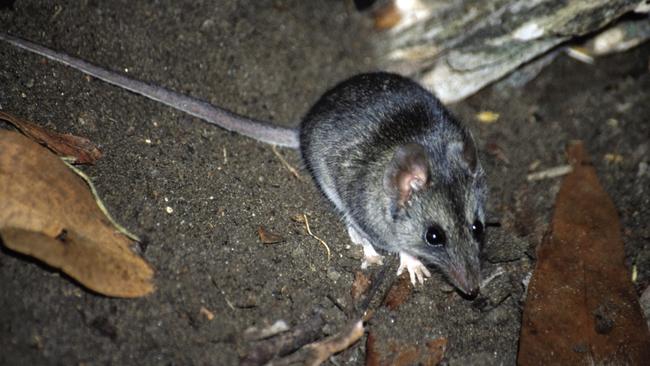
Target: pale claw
417	270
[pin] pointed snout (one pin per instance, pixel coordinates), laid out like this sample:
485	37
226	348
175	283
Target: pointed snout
468	284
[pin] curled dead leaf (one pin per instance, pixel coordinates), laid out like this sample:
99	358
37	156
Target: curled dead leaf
48	212
66	145
267	237
396	352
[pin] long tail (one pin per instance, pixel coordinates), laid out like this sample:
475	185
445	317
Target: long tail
258	130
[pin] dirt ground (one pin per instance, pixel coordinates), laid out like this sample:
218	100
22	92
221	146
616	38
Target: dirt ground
271	60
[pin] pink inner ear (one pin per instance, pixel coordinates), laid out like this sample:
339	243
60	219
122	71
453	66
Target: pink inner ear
407	172
410	181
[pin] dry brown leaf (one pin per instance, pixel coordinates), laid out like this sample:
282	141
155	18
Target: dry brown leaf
66	145
399	292
267	237
48	212
382	351
581	306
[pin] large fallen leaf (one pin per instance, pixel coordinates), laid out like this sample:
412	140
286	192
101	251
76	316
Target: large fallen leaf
48	212
66	145
581	307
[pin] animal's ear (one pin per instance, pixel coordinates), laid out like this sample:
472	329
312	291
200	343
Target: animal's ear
464	152
407	172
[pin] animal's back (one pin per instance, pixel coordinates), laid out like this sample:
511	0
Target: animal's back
351	133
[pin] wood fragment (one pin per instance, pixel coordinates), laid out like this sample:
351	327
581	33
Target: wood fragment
316	353
286	164
255	334
263	351
554	172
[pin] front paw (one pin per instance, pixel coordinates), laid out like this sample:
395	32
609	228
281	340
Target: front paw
370	255
417	270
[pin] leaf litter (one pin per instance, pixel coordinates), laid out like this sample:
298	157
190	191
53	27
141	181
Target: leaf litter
581	306
47	211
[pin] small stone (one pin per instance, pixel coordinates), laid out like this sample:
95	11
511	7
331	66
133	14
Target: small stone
333	275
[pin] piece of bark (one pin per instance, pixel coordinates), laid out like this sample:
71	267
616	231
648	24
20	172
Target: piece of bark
316	353
64	145
284	343
581	306
48	212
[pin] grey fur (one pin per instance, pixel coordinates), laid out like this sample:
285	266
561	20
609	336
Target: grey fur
348	139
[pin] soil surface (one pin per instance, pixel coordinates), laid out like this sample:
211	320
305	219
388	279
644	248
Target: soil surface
271	60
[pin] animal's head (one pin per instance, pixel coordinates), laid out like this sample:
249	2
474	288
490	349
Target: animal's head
436	201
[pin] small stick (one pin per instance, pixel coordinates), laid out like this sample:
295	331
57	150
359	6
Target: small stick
316	353
285	343
554	172
329	254
286	164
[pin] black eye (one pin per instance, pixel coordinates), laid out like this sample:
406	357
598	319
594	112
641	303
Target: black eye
435	236
477	231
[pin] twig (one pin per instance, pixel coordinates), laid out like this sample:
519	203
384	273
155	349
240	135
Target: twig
286	164
286	342
499	271
329	254
316	353
554	172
